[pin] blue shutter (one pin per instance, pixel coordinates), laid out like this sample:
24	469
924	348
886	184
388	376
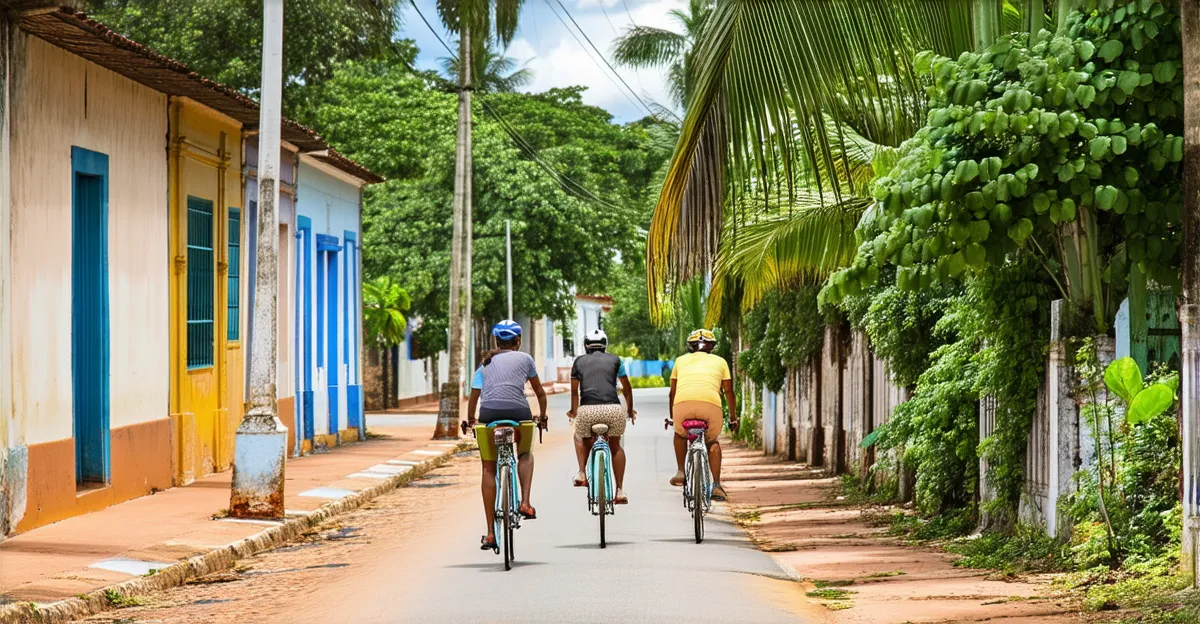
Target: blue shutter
200	283
234	324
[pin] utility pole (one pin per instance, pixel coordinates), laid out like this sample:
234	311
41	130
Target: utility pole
1189	308
261	442
508	262
460	247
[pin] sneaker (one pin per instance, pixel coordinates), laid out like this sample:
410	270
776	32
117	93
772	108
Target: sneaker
718	492
581	480
677	479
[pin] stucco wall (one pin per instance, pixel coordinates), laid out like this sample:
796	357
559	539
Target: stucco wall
52	112
332	204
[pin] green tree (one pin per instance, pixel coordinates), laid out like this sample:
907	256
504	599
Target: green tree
222	39
384	305
493	71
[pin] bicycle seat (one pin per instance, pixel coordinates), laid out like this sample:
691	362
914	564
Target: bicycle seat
695	424
600	429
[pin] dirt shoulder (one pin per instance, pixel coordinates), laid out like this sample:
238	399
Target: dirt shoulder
855	570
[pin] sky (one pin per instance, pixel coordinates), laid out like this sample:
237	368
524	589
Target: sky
546	45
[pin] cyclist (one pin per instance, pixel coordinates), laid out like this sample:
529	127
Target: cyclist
594	401
498	389
698	380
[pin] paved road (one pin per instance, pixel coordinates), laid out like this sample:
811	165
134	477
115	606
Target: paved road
427	567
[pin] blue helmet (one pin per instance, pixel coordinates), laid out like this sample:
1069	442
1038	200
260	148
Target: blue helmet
506	330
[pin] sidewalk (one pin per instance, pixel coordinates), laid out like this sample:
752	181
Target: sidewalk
140	537
856	571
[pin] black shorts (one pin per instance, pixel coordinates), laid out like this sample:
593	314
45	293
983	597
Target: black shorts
517	414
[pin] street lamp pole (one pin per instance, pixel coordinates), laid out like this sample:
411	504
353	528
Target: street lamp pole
261	442
508	262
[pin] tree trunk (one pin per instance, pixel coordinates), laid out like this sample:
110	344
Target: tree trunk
1189	314
386	370
448	412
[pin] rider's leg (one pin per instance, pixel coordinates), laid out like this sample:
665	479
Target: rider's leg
681	443
714	460
618	455
489	496
525	474
583	446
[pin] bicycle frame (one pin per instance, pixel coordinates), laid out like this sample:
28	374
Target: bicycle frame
600	449
697	451
506	455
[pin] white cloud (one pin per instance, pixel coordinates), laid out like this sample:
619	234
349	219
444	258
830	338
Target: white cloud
559	59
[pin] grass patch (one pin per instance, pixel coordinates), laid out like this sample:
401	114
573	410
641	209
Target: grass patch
1027	550
830	593
822	584
747	516
879	575
151	572
841	605
781	547
375	435
224	513
954	523
118	600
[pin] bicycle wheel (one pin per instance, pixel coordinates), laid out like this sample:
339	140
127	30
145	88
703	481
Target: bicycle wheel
506	513
698	495
602	493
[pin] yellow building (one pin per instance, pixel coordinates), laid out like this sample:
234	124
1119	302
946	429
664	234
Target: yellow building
205	242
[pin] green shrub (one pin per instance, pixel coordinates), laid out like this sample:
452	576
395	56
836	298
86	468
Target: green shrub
650	381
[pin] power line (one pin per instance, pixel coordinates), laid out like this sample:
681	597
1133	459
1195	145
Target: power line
601	55
632	100
569	185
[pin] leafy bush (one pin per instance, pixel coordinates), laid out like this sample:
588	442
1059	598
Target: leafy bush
783	331
650	381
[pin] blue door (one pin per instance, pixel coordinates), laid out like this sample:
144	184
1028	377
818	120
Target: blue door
304	304
89	315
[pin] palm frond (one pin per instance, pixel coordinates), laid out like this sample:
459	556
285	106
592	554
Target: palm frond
644	46
804	239
769	66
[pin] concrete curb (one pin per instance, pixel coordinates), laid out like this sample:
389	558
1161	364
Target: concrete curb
216	560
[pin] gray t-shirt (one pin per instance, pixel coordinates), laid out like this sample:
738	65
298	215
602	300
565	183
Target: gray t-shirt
501	384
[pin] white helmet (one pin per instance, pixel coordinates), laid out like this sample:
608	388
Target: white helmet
596	339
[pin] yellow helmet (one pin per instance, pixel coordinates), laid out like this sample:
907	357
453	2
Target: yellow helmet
701	335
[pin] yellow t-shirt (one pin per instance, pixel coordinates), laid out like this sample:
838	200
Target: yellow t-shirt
698	377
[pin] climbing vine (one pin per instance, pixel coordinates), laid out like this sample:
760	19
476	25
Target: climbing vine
783	332
1065	145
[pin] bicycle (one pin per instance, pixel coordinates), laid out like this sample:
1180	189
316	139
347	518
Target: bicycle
697	475
508	497
601	492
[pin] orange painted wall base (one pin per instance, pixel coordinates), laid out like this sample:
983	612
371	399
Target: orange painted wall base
141	464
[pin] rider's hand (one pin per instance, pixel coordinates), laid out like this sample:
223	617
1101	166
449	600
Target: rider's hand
571	414
733	424
633	417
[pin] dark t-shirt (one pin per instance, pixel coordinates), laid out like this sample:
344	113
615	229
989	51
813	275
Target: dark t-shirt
597	373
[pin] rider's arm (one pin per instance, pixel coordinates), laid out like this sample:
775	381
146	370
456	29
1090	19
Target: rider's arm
472	403
731	400
541	394
671	401
627	390
574	397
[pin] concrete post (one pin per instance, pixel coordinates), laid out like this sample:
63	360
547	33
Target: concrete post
261	442
1064	421
1189	309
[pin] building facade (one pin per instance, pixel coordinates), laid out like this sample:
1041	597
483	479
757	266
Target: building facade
125	269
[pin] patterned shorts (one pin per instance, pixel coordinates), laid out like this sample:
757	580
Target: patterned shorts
611	415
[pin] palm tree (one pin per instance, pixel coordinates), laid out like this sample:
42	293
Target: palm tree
384	305
475	22
494	72
777	93
642	47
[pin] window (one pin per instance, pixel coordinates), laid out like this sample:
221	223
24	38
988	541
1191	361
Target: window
200	334
234	323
